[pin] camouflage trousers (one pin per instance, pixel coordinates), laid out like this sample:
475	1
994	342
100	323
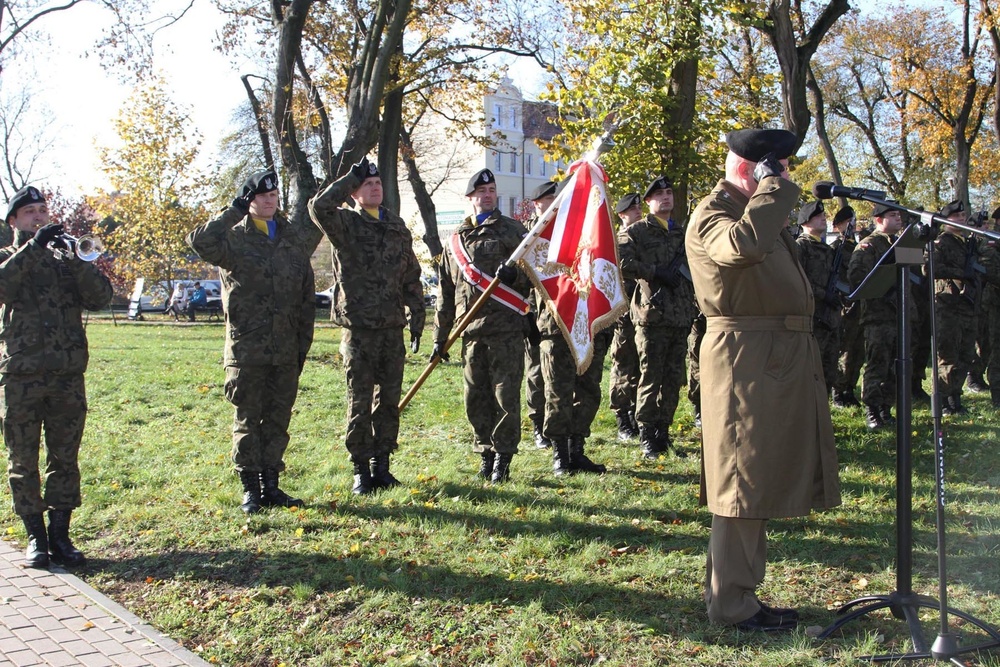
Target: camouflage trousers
534	386
956	328
693	359
878	387
263	396
828	341
661	373
624	379
992	313
984	349
494	371
921	340
571	400
373	360
852	350
27	402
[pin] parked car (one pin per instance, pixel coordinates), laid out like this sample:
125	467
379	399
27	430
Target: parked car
430	284
325	298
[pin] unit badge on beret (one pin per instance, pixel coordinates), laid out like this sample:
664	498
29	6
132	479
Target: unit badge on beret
485	177
372	169
269	183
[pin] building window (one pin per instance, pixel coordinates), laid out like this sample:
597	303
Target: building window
513	117
513	163
513	206
497	115
496	161
527	163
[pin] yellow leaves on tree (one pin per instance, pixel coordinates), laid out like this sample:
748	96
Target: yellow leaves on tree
155	191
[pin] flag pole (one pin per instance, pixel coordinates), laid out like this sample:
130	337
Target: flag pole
600	146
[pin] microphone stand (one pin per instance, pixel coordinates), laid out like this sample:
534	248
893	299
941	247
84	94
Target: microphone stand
903	602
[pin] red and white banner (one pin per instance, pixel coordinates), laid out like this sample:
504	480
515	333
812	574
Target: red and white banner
574	262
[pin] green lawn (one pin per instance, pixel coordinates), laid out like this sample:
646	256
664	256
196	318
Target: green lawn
448	571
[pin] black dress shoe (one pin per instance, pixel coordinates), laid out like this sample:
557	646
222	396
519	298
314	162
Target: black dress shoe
764	621
780	611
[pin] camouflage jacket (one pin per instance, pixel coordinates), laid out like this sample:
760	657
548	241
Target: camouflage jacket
488	245
881	310
643	247
817	258
41	303
268	289
376	275
956	284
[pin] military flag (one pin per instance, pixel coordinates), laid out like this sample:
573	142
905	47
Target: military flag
573	262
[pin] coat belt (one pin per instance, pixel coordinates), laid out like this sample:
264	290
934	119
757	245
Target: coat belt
760	323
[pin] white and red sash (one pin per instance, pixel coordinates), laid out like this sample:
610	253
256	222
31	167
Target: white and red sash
481	280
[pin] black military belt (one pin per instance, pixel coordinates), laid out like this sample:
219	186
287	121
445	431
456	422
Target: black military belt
801	323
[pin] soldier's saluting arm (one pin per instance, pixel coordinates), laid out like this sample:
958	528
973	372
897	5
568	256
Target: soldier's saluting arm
325	208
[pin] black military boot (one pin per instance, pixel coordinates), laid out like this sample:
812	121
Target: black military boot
37	553
61	549
363	482
648	442
486	461
976	383
666	444
845	398
626	430
995	396
953	405
271	495
252	500
501	468
541	441
918	393
560	457
885	412
381	477
578	460
873	417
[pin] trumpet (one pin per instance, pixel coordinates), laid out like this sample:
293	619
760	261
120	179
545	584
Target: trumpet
88	247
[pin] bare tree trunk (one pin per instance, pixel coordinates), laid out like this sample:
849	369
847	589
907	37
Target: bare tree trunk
821	133
388	145
258	115
680	118
428	212
793	58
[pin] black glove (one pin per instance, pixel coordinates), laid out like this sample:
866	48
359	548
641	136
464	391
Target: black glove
665	274
507	274
414	343
768	166
438	351
49	233
360	169
532	333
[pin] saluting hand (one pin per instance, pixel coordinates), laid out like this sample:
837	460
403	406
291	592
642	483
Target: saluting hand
768	166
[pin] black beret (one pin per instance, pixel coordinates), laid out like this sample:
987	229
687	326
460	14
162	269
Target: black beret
843	215
995	214
481	177
29	194
810	210
952	208
627	202
258	183
881	209
658	183
753	144
544	190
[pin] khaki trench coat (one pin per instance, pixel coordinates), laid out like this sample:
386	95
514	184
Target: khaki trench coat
767	439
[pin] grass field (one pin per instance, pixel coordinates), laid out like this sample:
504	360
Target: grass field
448	571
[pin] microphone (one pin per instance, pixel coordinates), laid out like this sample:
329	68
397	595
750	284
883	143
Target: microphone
829	190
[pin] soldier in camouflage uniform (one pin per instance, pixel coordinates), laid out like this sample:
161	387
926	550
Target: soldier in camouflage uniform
493	343
956	298
878	319
534	393
817	259
43	356
376	281
977	371
852	342
269	299
652	254
624	356
991	312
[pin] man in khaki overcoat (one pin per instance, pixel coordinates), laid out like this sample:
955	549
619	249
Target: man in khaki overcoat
767	440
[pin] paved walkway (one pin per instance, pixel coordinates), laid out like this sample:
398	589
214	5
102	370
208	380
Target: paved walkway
53	618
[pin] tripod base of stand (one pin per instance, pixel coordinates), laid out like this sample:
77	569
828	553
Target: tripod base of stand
906	607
